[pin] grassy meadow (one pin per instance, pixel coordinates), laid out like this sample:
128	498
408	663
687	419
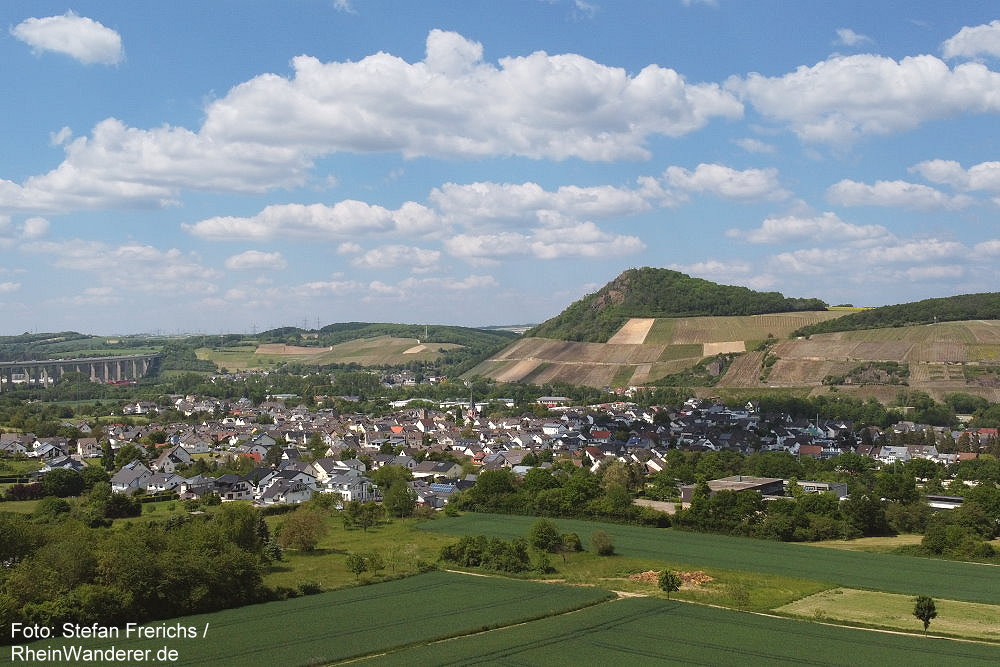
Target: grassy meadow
906	575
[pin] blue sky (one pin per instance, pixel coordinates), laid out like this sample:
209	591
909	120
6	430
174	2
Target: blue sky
238	165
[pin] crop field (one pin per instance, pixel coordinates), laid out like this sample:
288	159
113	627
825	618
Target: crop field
365	620
381	350
724	329
889	610
652	631
907	575
745	371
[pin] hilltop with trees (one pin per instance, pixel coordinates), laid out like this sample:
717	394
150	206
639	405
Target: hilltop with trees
649	292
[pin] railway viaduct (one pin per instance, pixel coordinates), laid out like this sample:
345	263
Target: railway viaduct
98	369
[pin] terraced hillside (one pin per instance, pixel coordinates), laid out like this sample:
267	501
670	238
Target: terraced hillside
937	358
642	351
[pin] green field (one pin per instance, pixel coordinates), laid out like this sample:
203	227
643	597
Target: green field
889	610
890	573
365	620
642	631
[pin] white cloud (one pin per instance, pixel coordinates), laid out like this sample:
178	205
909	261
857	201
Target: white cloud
846	97
974	41
729	183
900	194
256	260
990	248
455	104
491	205
471	282
344	6
982	176
131	266
847	37
899	261
267	132
345	219
797	228
79	37
34	228
577	240
751	145
418	260
8	287
349	248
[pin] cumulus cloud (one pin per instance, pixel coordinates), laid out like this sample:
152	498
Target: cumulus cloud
847	37
982	176
751	145
899	194
579	240
974	41
455	104
418	260
797	228
490	205
79	37
345	219
256	260
267	132
846	97
8	287
132	266
728	183
989	248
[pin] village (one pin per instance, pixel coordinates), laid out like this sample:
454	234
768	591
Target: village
292	453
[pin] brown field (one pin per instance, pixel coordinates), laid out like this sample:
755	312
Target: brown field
712	349
633	332
744	372
281	349
379	351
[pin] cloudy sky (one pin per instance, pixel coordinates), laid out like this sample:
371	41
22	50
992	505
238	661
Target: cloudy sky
229	166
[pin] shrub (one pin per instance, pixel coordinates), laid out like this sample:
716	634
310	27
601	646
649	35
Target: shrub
601	543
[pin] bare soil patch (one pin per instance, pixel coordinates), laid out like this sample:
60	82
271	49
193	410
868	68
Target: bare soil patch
711	349
633	332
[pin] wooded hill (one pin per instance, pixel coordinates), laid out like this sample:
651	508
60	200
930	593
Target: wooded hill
659	293
959	308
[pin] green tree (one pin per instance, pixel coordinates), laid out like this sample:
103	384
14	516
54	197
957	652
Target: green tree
925	610
545	536
62	483
669	581
399	500
302	529
357	564
601	543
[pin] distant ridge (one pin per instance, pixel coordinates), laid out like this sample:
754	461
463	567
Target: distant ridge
658	293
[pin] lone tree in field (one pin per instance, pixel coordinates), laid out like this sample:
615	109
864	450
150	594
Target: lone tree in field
670	581
924	609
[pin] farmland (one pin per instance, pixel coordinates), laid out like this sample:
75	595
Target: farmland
376	351
890	573
645	350
652	631
887	610
364	620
